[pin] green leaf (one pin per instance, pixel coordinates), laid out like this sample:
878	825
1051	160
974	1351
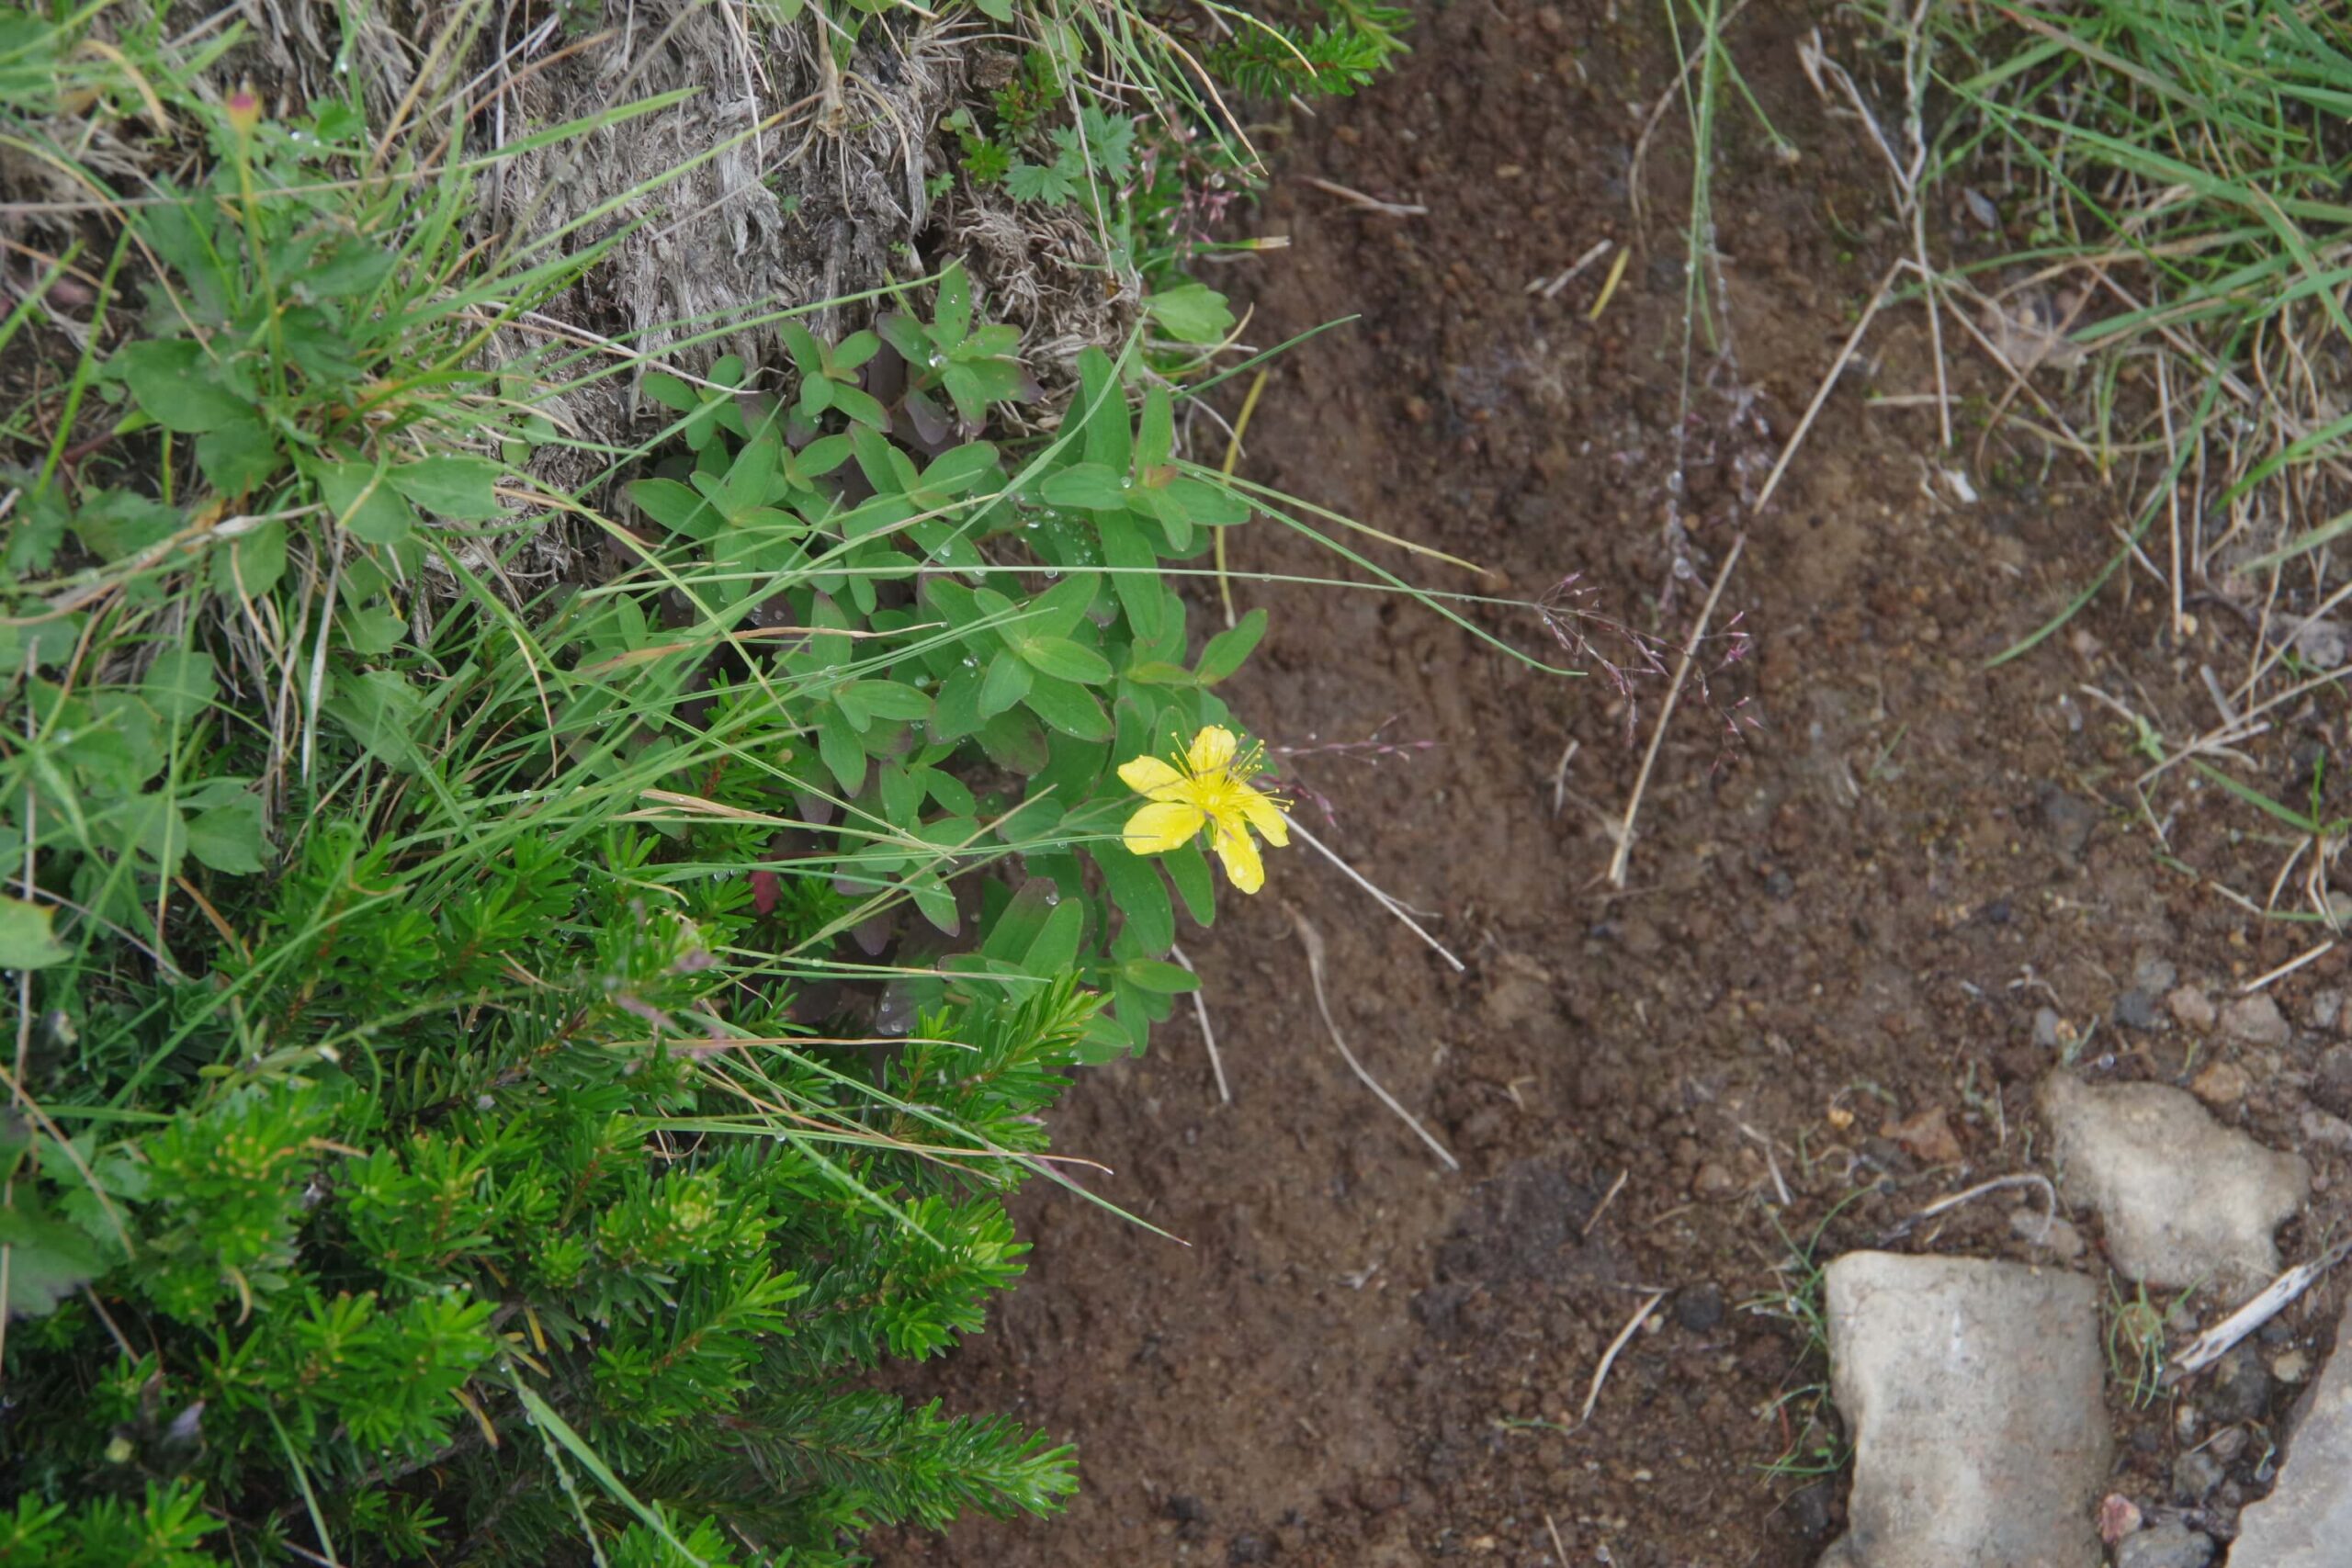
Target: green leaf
1161	978
363	503
1134	577
837	744
1086	486
1016	928
1155	436
903	794
1226	651
1048	183
675	506
26	941
1068	709
1191	312
1064	660
952	310
1188	868
1013	740
1055	948
228	838
47	1259
890	699
251	563
178	386
384	714
961	470
238	455
451	486
1133	885
180	684
1109	442
861	407
1005	685
1060	609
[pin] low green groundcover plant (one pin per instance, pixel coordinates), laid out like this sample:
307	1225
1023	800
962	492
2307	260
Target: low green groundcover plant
498	1057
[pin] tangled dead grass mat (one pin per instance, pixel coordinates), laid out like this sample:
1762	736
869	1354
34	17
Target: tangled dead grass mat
1815	1000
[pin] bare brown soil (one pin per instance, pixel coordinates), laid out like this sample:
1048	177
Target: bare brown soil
1813	1006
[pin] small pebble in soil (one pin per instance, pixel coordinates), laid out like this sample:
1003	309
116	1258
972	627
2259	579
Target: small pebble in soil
2256	1019
2194	1474
2322	1131
2153	974
2220	1083
2321	643
1809	1510
1699	1308
2059	1237
2046	1025
2238	1388
2227	1444
2069	820
1244	1549
2193	1009
1713	1181
2166	1546
2136	1008
2292	1367
2325	1009
2331	1087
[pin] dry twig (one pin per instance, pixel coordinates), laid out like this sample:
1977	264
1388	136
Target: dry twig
1313	942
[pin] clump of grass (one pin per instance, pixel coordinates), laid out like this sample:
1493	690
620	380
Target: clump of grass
2168	176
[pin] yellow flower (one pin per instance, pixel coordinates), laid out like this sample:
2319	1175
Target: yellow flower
1208	787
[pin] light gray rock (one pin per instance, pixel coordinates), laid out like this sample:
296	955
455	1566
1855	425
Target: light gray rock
2166	1546
2256	1020
2306	1522
2185	1199
1972	1389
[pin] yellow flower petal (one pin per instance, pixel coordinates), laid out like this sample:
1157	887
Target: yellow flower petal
1151	776
1239	855
1263	812
1213	748
1162	826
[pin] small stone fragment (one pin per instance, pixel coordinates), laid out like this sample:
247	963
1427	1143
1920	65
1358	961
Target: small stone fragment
2321	644
2220	1083
2238	1388
2060	1237
2193	1008
1713	1181
1973	1390
2292	1367
2194	1475
2136	1008
2185	1200
2256	1019
2046	1024
2166	1546
2069	820
1699	1308
2153	974
1926	1134
2332	1085
2325	1009
2118	1517
2324	1132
